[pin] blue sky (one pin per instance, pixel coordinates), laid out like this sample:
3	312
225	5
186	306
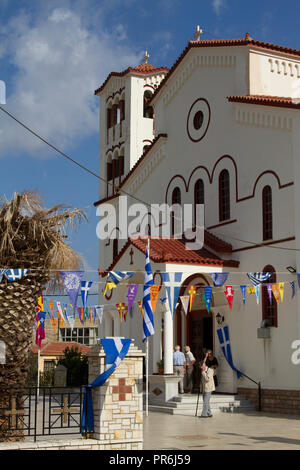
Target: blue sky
54	54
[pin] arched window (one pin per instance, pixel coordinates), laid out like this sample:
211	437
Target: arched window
198	196
199	192
224	195
267	213
148	110
176	199
269	310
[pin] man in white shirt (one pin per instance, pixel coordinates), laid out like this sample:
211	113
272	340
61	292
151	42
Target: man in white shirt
179	364
190	360
208	386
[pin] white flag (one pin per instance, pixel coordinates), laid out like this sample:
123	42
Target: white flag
99	312
185	302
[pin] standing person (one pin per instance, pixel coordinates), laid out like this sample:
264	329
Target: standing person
212	363
190	361
208	386
179	364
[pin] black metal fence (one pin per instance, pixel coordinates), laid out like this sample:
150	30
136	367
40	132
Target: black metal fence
43	411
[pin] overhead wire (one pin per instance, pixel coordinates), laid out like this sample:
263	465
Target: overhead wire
56	149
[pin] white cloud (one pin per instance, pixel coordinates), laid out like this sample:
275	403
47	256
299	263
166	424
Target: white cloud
58	62
218	6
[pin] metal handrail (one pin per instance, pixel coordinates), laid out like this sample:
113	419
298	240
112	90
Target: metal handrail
259	390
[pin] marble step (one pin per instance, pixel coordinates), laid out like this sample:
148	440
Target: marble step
187	405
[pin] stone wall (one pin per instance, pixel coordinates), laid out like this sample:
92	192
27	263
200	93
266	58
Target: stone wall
118	405
276	401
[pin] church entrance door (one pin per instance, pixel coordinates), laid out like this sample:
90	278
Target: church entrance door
199	336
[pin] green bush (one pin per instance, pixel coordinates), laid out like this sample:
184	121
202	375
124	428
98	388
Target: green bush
77	367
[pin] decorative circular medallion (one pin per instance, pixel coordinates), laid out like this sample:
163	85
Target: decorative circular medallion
198	119
72	282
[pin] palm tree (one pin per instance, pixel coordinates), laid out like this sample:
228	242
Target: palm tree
30	237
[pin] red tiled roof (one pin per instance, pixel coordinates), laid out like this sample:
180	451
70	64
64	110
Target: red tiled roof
143	69
56	348
267	100
173	250
246	41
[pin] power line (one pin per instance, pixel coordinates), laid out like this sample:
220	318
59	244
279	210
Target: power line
121	190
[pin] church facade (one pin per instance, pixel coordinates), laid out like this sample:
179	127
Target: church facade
220	128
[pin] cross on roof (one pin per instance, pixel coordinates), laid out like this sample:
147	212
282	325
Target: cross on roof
146	57
198	33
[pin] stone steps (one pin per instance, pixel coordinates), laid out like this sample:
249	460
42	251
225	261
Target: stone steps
187	404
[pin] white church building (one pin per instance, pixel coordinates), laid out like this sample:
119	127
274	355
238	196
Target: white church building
220	128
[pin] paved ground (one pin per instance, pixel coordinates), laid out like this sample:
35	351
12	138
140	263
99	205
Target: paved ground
225	431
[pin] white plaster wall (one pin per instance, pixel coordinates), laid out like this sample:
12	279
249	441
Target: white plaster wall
264	145
274	74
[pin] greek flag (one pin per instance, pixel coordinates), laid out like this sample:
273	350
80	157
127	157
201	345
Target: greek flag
118	276
15	274
85	287
172	282
223	335
257	278
148	322
115	350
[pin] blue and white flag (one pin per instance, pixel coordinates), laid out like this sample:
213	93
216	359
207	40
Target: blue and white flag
85	287
118	276
223	335
243	289
257	278
172	282
208	296
15	274
115	350
292	284
219	278
2	273
148	321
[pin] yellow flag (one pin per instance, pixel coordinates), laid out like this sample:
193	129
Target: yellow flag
109	285
140	304
281	289
251	290
192	293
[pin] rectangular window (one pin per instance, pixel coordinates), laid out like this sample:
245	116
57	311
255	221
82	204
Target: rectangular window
86	336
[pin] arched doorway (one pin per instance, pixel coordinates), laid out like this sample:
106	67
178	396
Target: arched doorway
199	326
